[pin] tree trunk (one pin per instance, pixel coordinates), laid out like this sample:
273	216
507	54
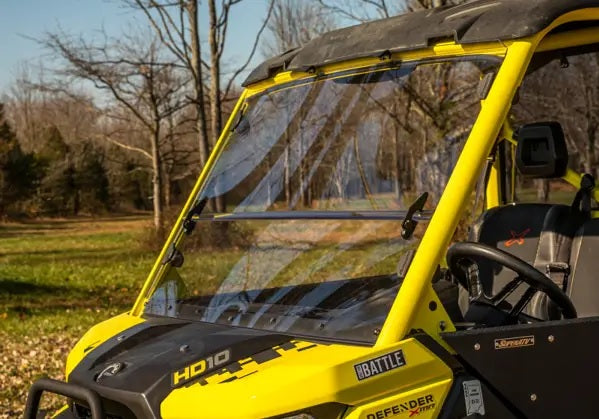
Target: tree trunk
166	185
286	174
157	184
215	99
76	202
196	62
542	190
397	164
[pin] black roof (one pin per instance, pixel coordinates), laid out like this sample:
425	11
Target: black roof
477	21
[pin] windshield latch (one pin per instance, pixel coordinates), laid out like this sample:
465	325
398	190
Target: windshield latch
408	224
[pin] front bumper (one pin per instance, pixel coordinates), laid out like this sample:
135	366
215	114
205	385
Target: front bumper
64	389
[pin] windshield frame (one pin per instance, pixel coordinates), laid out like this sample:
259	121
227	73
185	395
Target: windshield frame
282	81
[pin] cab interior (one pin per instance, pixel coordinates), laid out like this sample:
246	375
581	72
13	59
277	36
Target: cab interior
530	255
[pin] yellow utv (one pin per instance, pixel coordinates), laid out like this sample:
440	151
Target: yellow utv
406	221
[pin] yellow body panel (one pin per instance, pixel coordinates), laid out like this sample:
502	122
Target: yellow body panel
493	192
301	378
423	403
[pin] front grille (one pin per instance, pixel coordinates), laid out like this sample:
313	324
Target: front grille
114	411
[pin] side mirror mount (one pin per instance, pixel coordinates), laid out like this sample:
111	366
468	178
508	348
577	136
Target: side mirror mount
542	152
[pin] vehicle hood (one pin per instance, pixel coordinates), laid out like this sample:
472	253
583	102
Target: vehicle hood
168	368
135	370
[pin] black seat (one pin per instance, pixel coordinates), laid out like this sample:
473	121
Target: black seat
583	283
540	234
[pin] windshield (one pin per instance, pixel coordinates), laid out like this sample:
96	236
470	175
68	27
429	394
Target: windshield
298	228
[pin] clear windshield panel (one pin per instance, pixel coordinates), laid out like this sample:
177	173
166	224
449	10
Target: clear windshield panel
301	233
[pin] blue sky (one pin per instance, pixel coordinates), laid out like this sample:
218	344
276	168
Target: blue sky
20	19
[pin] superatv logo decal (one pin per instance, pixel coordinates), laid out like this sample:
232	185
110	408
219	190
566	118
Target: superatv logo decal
379	365
199	367
516	342
411	408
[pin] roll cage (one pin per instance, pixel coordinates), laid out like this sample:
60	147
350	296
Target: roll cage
567	26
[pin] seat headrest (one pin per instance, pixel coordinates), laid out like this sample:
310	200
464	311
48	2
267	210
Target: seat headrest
542	152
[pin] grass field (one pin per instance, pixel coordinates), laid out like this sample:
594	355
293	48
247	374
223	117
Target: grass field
57	278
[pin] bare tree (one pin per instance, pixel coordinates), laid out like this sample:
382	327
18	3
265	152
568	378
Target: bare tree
28	107
367	10
34	107
414	5
364	10
133	74
179	157
176	24
293	24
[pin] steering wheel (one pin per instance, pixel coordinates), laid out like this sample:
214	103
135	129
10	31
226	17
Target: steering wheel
536	280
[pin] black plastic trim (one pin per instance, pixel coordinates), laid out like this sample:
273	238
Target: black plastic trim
439	351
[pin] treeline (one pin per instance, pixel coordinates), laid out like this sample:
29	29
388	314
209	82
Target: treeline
56	178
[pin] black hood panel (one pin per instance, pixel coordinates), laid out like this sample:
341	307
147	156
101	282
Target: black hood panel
149	353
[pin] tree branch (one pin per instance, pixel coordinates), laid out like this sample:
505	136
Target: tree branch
253	51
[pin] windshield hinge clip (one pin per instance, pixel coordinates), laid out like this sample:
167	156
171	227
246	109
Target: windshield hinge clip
409	224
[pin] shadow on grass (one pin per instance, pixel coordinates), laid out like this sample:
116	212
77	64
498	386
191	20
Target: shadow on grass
12	230
27	301
71	252
16	287
45	226
56	223
20	295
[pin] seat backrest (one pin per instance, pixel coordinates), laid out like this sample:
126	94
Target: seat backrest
583	283
518	229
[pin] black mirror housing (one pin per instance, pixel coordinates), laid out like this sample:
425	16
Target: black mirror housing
542	152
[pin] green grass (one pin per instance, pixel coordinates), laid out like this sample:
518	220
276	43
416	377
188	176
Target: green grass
68	275
57	279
